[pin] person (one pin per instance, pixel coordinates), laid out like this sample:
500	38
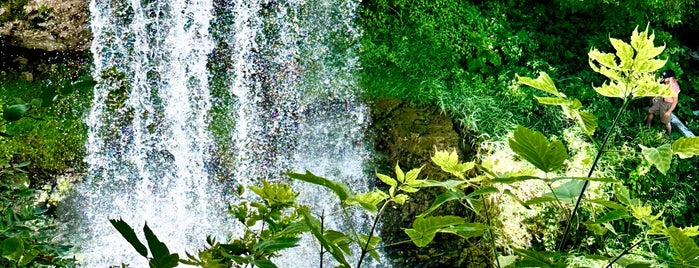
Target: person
663	106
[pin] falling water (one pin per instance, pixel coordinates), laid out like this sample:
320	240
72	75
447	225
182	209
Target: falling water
291	67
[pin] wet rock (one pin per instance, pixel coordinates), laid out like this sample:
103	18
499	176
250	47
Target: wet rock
408	135
49	25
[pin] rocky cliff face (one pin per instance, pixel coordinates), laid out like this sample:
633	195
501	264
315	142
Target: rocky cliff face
48	25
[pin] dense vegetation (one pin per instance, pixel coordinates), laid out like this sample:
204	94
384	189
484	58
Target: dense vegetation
464	57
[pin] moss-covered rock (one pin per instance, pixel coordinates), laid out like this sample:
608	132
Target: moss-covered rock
49	25
408	135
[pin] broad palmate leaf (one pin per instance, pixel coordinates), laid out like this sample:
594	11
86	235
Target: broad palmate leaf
424	229
536	149
686	147
685	248
660	157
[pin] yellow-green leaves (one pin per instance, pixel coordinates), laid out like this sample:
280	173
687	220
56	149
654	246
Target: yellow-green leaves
406	182
660	157
536	149
630	70
686	147
424	229
571	107
685	248
369	200
449	162
543	82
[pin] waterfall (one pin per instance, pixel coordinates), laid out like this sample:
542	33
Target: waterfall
290	69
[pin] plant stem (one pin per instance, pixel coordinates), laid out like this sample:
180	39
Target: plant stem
600	151
322	230
626	251
371	233
490	230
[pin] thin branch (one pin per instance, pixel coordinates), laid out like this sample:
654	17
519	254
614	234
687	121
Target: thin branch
600	151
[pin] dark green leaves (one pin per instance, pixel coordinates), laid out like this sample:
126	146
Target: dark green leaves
161	255
128	233
15	112
536	149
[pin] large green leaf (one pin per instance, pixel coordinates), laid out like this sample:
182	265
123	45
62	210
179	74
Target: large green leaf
13	248
424	229
15	112
340	189
686	147
535	148
442	199
466	230
543	82
685	248
567	191
532	258
660	157
607	60
128	233
553	101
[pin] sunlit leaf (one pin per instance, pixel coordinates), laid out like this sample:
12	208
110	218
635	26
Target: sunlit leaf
340	189
400	199
607	203
686	251
610	90
369	200
686	147
622	194
466	230
449	162
400	176
624	51
372	245
532	258
553	101
649	65
424	229
448	184
387	180
605	59
567	191
536	149
587	121
543	82
595	228
660	157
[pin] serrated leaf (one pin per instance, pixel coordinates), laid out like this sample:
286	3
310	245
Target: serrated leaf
130	235
660	157
648	65
536	149
686	147
340	189
412	175
610	90
690	231
543	82
607	60
369	200
624	51
685	248
387	180
449	162
400	176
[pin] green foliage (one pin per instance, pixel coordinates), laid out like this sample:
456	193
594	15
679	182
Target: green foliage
161	257
535	148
